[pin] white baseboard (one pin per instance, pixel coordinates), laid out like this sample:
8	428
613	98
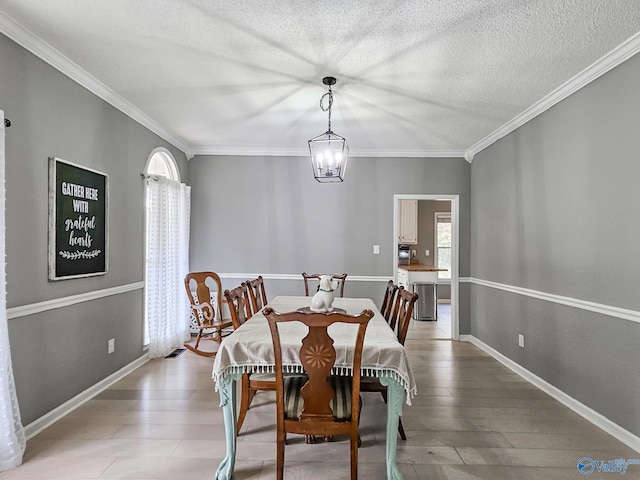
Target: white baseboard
67	407
588	413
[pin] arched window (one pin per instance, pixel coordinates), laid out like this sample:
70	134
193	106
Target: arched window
167	205
162	164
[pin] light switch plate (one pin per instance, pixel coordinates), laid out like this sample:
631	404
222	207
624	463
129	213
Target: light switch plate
376	249
427	252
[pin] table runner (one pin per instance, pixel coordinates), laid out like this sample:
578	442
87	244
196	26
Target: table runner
249	349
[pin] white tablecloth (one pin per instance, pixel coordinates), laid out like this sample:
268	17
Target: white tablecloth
249	349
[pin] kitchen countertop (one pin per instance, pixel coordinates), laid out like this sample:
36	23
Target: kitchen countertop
421	268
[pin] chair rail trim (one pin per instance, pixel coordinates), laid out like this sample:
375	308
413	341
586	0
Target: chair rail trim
608	310
298	276
33	308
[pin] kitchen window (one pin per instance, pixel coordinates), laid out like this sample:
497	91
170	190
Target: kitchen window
443	243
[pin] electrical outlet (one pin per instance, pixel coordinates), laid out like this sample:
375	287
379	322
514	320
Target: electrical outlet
521	340
376	249
111	346
426	252
413	253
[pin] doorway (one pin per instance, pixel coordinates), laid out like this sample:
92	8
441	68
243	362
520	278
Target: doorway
452	311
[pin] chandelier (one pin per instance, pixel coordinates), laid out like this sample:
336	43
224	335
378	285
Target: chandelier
329	151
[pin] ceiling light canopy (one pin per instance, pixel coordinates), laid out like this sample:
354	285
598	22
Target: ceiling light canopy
329	151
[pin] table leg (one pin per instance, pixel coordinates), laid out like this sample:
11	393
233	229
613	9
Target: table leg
227	389
395	397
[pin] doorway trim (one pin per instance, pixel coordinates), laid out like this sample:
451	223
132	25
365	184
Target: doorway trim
455	251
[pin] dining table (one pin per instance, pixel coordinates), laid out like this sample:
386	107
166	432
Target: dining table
249	349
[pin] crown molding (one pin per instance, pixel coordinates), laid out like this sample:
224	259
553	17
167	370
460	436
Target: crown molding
251	152
53	57
304	152
615	57
408	153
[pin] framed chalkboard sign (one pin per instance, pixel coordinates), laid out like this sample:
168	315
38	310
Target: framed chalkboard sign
78	221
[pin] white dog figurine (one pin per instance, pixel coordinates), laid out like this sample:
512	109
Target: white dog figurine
322	301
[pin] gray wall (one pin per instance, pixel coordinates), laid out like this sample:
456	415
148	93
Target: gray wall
555	209
268	215
59	353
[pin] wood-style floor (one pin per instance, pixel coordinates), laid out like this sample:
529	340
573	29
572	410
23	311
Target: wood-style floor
472	419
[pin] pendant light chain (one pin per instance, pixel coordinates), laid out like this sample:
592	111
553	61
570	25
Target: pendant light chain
330	93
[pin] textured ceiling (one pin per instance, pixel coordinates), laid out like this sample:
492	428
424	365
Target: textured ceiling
414	77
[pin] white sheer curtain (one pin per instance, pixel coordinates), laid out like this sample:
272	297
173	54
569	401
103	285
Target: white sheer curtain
12	441
168	207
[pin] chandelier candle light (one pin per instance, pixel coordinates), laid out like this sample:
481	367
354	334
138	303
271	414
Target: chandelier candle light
329	151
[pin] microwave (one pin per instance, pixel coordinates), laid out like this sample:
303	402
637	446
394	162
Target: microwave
404	255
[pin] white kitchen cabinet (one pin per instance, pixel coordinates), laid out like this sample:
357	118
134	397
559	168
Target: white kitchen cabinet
408	231
403	278
406	278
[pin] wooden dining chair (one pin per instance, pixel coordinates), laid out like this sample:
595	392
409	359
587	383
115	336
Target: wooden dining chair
204	290
388	301
257	294
312	277
399	320
318	403
239	304
406	301
238	301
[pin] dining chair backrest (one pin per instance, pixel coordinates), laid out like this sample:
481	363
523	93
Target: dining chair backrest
257	294
238	301
313	277
388	300
315	404
201	288
402	312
